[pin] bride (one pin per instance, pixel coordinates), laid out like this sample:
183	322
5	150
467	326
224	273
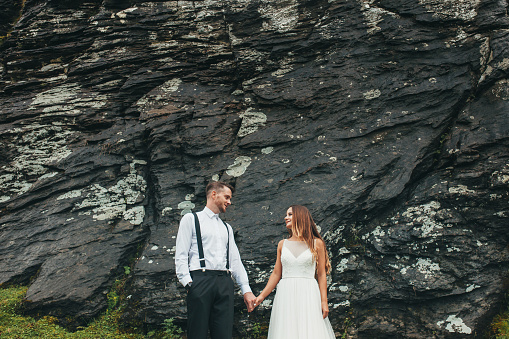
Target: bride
300	306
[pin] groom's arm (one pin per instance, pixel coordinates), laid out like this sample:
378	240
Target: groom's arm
182	247
236	267
240	274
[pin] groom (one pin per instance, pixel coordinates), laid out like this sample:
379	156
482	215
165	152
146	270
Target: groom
206	257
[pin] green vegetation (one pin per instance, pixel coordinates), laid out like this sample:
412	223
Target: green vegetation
500	325
13	325
171	331
346	325
256	330
256	326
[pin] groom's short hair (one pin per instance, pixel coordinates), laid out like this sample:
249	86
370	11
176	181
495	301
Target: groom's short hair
217	186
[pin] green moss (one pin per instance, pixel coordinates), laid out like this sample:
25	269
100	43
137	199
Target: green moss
14	325
500	325
347	323
256	327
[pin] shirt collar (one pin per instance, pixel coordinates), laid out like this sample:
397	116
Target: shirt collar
209	213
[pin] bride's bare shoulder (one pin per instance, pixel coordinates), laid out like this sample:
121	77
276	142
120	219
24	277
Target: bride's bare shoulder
319	243
280	246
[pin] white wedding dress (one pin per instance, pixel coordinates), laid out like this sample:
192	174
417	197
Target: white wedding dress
297	311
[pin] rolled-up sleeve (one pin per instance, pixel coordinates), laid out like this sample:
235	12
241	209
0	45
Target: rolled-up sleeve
183	245
236	266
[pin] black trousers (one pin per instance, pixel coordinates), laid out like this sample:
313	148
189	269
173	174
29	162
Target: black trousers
210	305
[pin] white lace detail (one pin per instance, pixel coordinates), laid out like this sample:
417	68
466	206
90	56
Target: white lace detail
301	265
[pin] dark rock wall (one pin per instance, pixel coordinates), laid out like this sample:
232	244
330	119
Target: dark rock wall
388	119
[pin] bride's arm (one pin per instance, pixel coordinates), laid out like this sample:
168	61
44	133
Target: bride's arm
274	277
321	275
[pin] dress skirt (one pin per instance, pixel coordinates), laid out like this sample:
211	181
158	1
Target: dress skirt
297	311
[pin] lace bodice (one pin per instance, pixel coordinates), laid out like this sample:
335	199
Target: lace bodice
297	260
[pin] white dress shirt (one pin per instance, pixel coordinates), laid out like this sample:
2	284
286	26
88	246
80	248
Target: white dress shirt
214	240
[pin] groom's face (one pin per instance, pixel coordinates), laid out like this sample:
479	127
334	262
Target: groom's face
222	198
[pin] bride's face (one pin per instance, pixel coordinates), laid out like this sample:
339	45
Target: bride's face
288	218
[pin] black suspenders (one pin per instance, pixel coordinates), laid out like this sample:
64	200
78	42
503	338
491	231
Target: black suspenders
198	239
200	245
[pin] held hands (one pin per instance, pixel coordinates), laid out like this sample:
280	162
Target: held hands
258	301
249	300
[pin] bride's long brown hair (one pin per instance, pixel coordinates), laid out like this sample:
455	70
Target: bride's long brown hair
304	227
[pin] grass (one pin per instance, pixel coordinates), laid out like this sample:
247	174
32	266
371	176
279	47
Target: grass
13	325
500	325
